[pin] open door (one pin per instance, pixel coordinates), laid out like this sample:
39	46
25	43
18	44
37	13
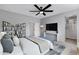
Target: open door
71	28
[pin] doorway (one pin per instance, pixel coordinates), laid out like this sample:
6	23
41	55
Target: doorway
71	29
71	34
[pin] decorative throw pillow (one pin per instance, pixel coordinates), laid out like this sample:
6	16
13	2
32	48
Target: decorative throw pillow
2	34
1	49
7	43
7	36
16	40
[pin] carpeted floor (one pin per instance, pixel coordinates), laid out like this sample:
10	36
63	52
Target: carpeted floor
58	49
69	48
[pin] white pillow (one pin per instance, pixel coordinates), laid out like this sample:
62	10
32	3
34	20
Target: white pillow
17	51
16	40
1	49
2	34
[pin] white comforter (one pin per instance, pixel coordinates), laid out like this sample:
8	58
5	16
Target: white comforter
44	44
28	47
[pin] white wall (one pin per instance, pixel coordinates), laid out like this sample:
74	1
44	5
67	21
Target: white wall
60	19
37	29
15	18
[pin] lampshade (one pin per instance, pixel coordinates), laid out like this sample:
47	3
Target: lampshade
41	26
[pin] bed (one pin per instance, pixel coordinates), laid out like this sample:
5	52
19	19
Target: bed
28	47
43	44
31	46
35	45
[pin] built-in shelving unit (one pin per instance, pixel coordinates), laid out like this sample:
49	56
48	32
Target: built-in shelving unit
17	29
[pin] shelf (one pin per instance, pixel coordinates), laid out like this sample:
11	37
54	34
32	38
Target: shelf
51	32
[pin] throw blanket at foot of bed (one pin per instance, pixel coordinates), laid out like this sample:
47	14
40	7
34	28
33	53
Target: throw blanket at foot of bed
44	44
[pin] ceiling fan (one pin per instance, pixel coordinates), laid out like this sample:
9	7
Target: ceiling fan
42	10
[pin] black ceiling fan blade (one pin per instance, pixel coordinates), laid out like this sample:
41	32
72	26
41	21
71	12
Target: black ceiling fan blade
34	11
47	6
38	13
37	7
44	14
48	10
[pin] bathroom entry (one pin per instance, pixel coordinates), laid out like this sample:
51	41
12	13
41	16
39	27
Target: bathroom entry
71	28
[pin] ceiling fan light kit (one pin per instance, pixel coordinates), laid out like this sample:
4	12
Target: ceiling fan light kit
42	10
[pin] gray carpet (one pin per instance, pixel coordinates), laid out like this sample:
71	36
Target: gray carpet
58	46
58	49
52	52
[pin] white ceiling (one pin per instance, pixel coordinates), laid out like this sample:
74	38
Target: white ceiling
25	8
